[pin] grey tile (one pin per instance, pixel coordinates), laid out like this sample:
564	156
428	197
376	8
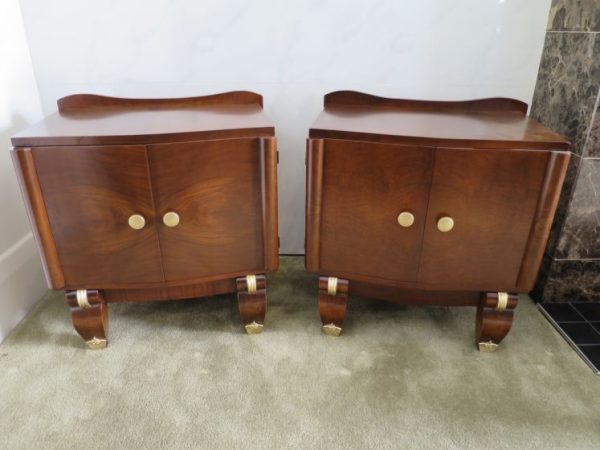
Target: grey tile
563	204
580	236
590	311
581	333
574	15
563	312
567	85
572	281
592	145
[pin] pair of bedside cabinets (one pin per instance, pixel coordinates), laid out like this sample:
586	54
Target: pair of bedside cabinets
441	203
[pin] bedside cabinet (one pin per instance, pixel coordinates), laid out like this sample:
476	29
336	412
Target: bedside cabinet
152	199
434	203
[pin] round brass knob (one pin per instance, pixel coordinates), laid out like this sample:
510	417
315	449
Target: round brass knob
171	219
445	224
136	221
406	219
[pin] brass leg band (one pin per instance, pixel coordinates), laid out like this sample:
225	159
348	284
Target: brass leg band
251	284
82	298
332	283
502	301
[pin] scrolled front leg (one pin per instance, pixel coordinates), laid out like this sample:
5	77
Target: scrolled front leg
333	299
89	313
494	319
252	301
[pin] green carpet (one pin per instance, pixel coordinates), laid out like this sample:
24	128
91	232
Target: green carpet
185	375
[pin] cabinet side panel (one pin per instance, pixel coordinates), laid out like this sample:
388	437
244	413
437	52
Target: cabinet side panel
269	203
314	184
544	215
36	210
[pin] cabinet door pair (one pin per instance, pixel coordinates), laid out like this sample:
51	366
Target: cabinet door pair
159	213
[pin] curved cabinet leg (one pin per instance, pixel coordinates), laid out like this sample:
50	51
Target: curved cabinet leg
89	313
333	298
252	301
494	319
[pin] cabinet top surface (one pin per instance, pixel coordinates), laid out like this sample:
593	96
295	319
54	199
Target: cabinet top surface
97	120
488	122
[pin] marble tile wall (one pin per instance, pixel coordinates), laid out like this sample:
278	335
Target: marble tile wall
566	99
574	15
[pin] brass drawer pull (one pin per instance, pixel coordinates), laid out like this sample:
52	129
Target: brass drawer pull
406	219
445	224
137	221
171	219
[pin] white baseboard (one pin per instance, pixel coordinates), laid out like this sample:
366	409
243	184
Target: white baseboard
22	283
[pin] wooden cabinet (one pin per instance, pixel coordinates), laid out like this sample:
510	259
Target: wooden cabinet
443	203
135	200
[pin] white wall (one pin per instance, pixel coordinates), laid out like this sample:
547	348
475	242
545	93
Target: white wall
21	278
292	52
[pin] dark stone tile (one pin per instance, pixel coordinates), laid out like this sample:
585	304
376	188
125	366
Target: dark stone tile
592	352
579	238
572	281
579	15
562	312
563	204
580	333
596	325
567	85
592	146
590	311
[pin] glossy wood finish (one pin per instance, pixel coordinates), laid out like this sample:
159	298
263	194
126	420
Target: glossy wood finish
86	102
460	124
479	189
493	325
134	121
209	288
225	171
542	221
353	98
252	305
404	295
332	307
483	163
211	160
89	194
363	200
36	210
91	320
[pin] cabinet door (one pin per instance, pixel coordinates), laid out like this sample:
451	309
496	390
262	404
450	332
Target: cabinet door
220	192
90	193
356	192
491	195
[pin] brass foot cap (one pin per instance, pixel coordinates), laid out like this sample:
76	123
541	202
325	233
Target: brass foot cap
487	347
96	344
332	329
254	328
